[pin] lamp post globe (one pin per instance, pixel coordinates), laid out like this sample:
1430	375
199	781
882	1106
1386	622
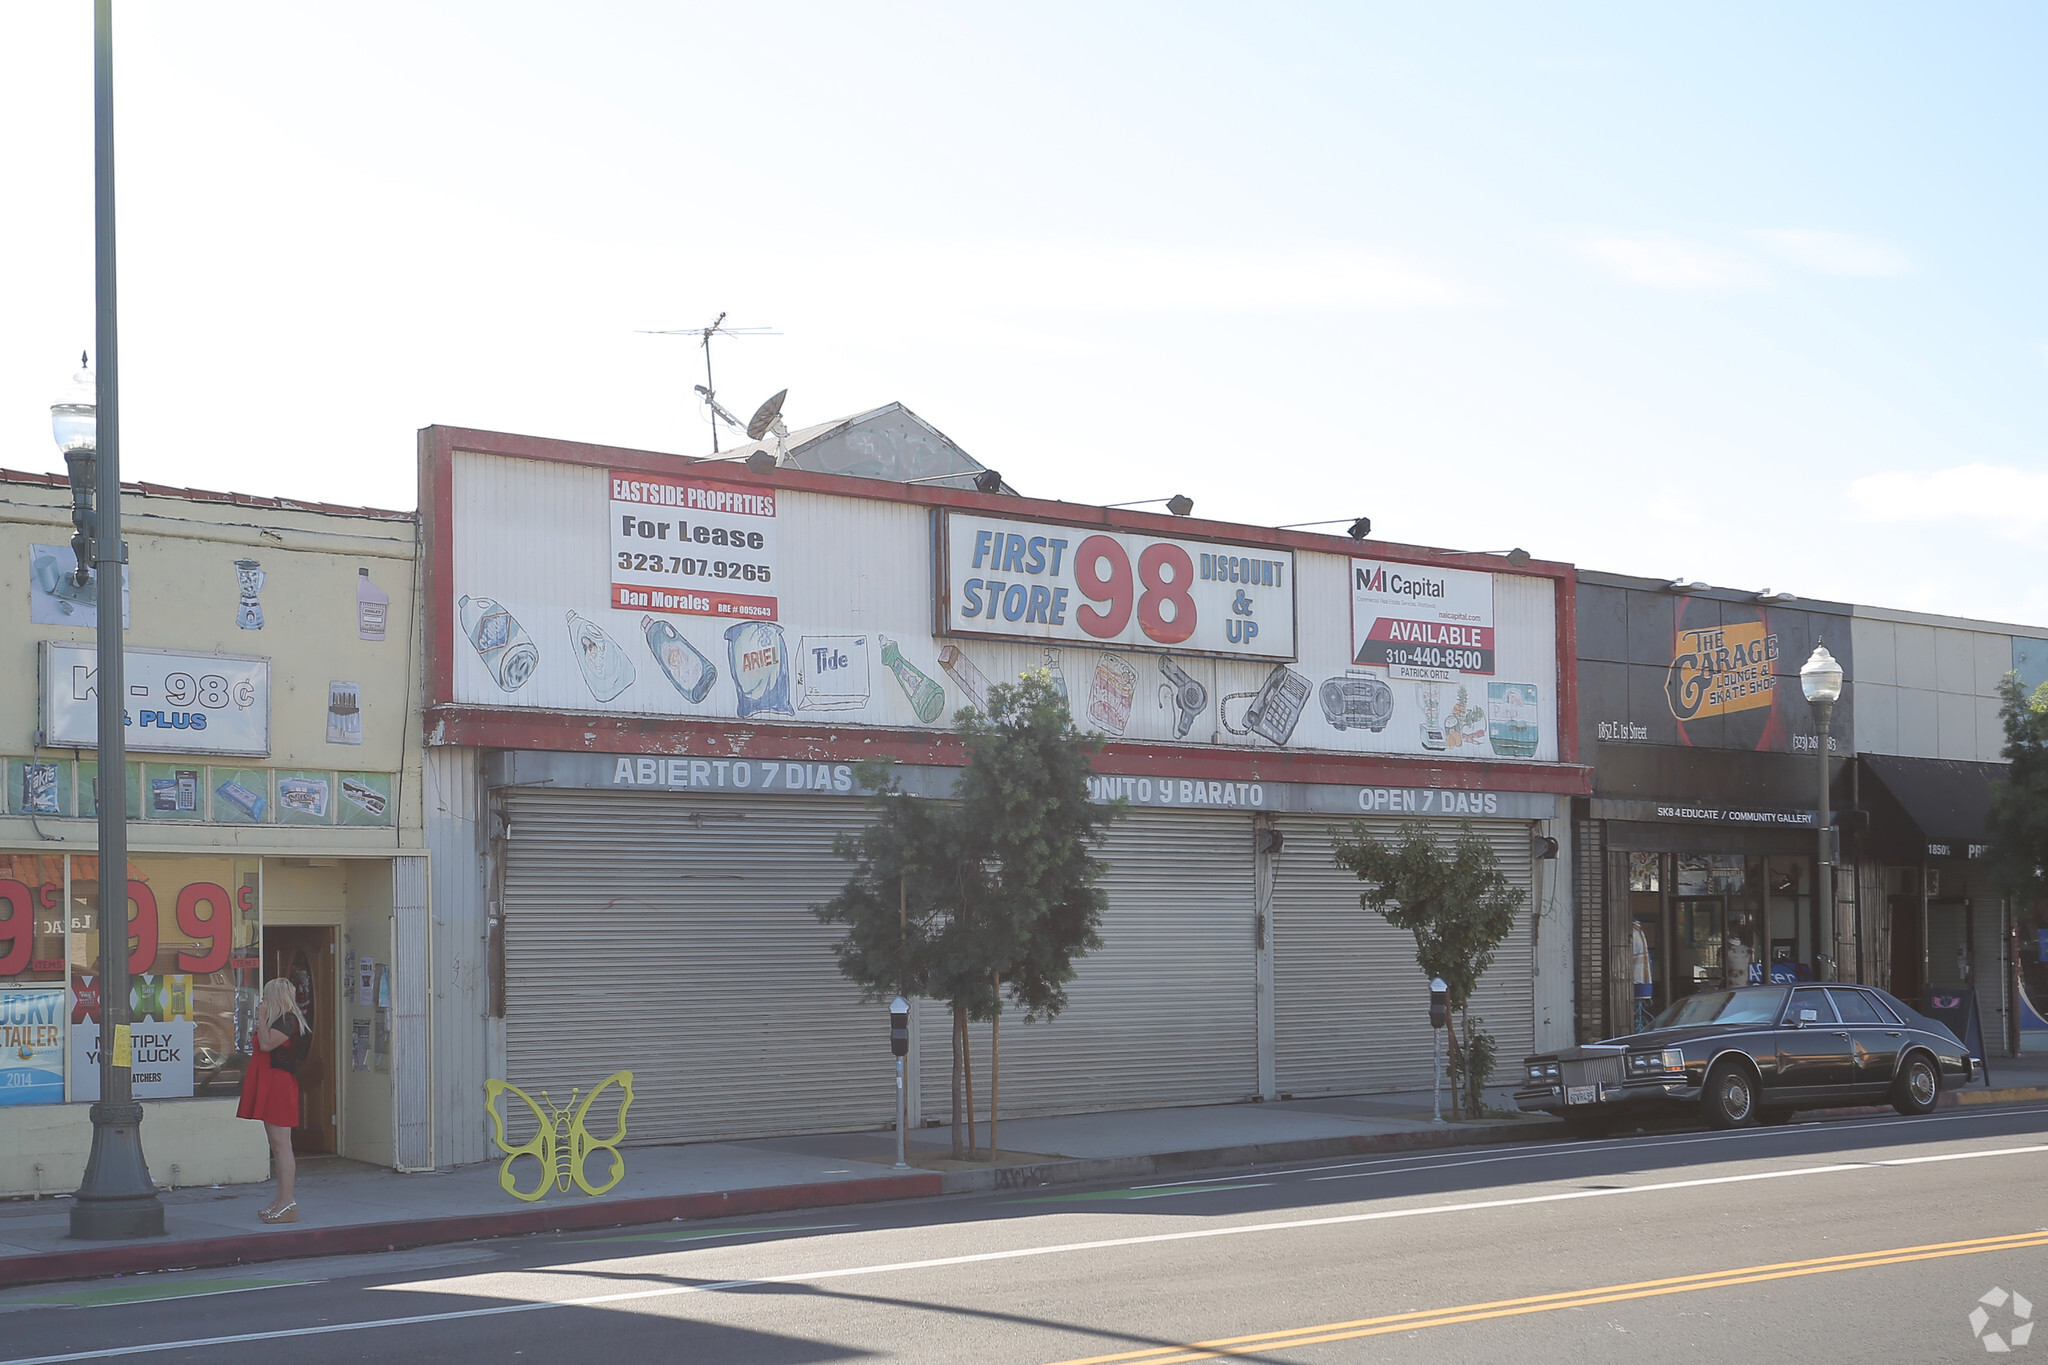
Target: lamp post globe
1821	677
74	417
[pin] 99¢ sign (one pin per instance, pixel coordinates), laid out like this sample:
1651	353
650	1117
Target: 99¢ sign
1034	580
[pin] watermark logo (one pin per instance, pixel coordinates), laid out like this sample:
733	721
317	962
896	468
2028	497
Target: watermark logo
2022	1328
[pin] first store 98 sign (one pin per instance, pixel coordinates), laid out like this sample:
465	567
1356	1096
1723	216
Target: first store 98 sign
1032	580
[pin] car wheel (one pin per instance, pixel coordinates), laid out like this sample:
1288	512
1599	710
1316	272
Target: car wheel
1773	1118
1918	1086
1730	1096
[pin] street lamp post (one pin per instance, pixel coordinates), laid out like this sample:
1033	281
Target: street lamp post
118	1199
1821	680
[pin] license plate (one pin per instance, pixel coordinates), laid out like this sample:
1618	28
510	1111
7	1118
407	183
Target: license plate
1582	1094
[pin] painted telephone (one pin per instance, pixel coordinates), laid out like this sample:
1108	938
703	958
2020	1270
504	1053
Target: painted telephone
1276	707
1190	698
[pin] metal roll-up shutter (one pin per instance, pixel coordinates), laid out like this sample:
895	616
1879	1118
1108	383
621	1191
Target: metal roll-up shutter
673	937
1164	1013
1350	1006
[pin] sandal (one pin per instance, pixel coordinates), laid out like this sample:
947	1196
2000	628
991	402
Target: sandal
288	1214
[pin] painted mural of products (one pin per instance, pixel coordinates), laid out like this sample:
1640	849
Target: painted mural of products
499	640
831	672
1511	722
344	713
1059	679
373	607
1276	707
1111	692
249	578
681	662
363	796
1187	697
1429	697
1464	723
759	659
972	682
1356	700
59	582
606	669
242	799
39	788
927	698
304	795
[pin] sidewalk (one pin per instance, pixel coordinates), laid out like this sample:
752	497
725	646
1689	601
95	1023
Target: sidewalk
345	1207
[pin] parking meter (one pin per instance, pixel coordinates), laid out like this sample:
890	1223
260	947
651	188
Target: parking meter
899	1027
1439	1003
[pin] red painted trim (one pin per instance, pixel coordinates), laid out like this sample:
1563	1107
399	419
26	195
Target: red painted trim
600	734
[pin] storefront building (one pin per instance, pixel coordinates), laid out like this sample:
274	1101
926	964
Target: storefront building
1931	747
1697	847
273	796
650	679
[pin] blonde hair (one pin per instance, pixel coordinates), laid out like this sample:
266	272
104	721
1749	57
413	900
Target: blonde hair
280	998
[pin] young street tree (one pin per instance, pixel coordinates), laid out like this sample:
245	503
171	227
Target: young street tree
986	895
1459	905
2018	824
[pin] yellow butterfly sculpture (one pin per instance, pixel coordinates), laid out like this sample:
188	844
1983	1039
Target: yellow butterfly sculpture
562	1142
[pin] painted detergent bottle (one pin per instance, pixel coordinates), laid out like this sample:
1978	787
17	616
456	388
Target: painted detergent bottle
927	698
679	661
606	669
499	640
760	667
373	607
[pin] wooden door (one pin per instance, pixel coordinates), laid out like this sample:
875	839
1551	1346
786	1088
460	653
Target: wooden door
304	956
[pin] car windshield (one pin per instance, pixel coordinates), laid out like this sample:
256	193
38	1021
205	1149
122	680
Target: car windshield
1723	1007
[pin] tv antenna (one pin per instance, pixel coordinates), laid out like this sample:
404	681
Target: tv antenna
708	388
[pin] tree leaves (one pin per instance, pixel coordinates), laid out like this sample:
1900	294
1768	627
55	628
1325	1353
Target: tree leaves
1456	901
2018	824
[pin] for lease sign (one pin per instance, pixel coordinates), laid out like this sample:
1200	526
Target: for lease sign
693	547
1034	580
1421	622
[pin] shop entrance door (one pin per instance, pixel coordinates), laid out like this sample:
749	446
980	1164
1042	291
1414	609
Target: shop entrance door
1696	940
304	956
1908	950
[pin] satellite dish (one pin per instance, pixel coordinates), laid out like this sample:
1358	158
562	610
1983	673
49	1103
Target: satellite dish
765	419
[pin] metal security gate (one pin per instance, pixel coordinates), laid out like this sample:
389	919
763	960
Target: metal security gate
1351	1008
673	936
1165	1013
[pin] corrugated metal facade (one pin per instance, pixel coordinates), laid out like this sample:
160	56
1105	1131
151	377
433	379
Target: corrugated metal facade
460	940
1165	1013
1351	1008
412	1097
674	938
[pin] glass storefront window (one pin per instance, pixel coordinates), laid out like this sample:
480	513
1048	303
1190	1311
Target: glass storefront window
31	919
194	963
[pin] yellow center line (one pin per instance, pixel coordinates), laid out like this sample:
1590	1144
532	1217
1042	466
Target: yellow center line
1545	1303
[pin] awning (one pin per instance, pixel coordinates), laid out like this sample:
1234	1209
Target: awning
1948	798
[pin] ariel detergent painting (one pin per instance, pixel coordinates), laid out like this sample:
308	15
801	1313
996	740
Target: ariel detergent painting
760	667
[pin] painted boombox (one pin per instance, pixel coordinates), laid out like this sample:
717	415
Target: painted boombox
1361	701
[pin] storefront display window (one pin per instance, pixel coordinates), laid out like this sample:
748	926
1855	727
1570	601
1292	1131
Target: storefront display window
193	930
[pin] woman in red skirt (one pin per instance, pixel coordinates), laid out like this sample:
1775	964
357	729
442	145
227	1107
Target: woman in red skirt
271	1093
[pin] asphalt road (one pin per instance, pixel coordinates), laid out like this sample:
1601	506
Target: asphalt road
1866	1240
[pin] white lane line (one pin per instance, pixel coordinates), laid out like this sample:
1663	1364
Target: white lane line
1421	1161
1169	1194
1013	1254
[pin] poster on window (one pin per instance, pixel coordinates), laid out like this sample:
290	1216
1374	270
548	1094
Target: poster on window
32	1045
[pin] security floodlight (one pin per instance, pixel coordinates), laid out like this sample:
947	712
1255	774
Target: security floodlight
1180	504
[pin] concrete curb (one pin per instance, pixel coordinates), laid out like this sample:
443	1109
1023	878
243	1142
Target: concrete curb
1083	1170
292	1241
283	1244
1949	1099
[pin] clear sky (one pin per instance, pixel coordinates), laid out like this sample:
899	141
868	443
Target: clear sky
1745	293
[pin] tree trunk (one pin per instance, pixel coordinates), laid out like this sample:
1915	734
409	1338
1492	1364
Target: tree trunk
959	1059
967	1060
995	1064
